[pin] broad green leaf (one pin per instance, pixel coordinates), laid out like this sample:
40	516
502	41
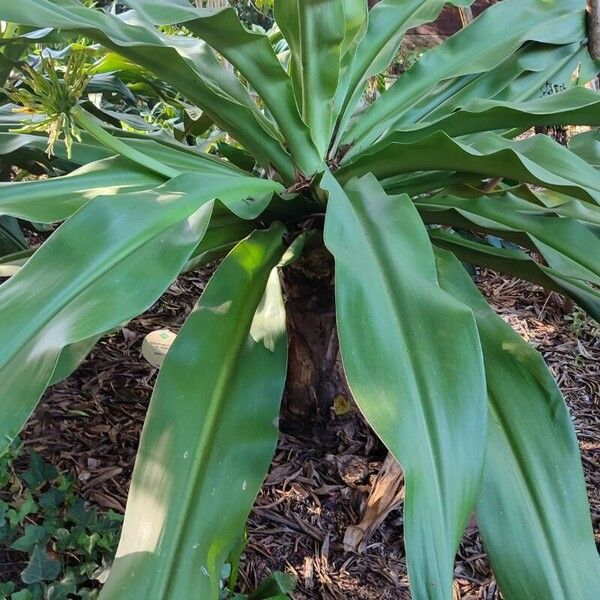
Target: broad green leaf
587	146
10	264
12	144
71	357
224	232
532	508
569	246
496	34
33	535
401	339
558	203
51	200
168	151
210	432
518	264
103	266
538	160
315	31
577	106
252	54
40	567
356	18
184	62
420	182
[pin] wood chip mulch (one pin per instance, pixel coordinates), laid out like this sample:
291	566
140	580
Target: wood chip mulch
89	425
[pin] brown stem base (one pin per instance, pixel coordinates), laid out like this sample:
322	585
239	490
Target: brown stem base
315	375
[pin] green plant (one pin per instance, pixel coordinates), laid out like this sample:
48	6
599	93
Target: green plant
54	543
408	185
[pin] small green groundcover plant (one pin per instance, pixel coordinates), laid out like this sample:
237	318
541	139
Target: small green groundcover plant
62	547
278	143
53	545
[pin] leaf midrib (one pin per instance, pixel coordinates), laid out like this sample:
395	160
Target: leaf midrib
423	407
68	298
216	407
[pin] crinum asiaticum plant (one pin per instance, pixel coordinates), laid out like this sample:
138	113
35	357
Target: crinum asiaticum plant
412	184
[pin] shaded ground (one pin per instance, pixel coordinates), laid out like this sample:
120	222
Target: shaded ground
90	425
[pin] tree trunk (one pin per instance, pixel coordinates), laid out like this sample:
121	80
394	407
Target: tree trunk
315	375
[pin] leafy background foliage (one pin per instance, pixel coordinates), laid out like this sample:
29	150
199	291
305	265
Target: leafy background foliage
60	545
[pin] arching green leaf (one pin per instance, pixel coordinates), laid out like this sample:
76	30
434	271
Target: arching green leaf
538	160
533	513
517	263
496	34
315	31
568	245
251	53
577	106
401	338
100	268
210	432
182	61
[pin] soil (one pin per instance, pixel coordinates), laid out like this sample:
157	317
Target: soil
89	425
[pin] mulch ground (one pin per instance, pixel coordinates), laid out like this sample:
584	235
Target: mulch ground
89	425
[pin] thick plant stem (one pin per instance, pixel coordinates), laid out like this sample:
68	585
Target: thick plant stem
89	123
315	374
594	28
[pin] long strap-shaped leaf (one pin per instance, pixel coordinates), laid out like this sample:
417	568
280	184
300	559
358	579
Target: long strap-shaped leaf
167	151
532	508
315	31
538	160
402	340
103	266
252	54
210	433
388	21
577	106
533	71
587	146
180	61
55	199
568	245
488	41
51	200
518	264
557	203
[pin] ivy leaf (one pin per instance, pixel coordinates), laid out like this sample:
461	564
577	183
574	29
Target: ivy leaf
62	589
40	568
28	507
80	515
6	589
22	595
34	535
52	498
88	542
39	471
